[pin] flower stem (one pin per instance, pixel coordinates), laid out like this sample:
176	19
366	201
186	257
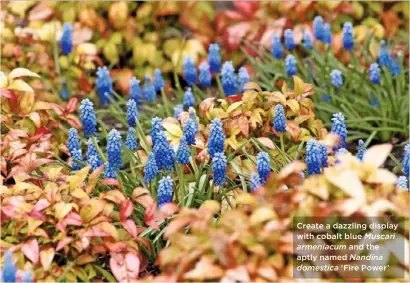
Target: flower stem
98	148
218	82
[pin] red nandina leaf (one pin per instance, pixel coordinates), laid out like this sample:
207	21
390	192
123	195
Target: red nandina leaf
31	250
130	226
84	83
64	242
234	34
58	109
41	205
111	182
126	208
247	8
71	105
149	216
234	98
125	267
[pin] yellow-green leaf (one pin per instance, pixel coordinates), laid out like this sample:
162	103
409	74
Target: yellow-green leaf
22	72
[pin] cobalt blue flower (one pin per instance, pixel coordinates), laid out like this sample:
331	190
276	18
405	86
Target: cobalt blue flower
336	78
164	155
279	121
307	40
374	102
104	85
290	65
219	168
178	109
159	82
348	40
374	73
135	91
402	183
205	77
243	78
289	41
88	118
216	138
148	89
27	277
190	130
156	128
318	28
384	55
263	166
361	150
190	73
131	140
77	156
189	99
64	92
9	272
395	67
110	172
92	155
313	158
150	169
276	50
73	142
183	152
255	182
165	190
132	113
405	162
326	98
323	155
327	35
228	79
339	128
66	41
214	58
114	149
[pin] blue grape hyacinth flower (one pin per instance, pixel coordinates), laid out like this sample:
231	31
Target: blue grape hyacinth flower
135	92
131	141
159	82
164	154
313	158
214	58
165	190
216	139
374	73
73	141
348	40
323	155
9	271
189	99
255	182
110	172
189	70
64	94
276	49
150	169
190	130
326	98
395	67
88	118
327	35
361	150
279	121
66	41
148	89
289	40
384	55
336	78
290	65
156	128
132	113
178	109
406	160
219	168
183	152
104	85
339	128
243	78
402	183
307	40
318	28
228	79
93	161
27	277
205	77
77	156
114	149
92	155
263	166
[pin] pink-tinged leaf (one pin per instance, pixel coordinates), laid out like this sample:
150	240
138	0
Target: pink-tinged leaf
111	182
247	8
149	216
234	34
167	210
95	232
126	208
130	226
58	109
73	121
64	242
41	204
40	12
72	105
46	258
73	218
31	250
125	267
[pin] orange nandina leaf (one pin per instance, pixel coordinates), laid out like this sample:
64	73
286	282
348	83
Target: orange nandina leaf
125	266
126	208
149	216
91	209
31	251
27	164
143	197
234	98
111	182
294	130
46	257
64	242
131	228
114	196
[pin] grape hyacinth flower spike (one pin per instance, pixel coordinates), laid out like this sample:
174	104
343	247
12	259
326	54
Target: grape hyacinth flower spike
313	158
307	40
190	130
165	190
336	78
289	40
189	70
361	150
135	92
178	109
279	121
73	142
327	35
323	155
263	166
110	172
277	49
77	157
92	155
66	41
214	58
150	169
219	168
402	183
156	128
406	160
114	149
183	152
228	79
131	140
104	85
395	67
339	128
255	182
9	271
164	155
318	28
348	40
132	113
243	78
290	65
205	77
216	138
374	73
148	89
158	80
88	118
189	99
384	55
